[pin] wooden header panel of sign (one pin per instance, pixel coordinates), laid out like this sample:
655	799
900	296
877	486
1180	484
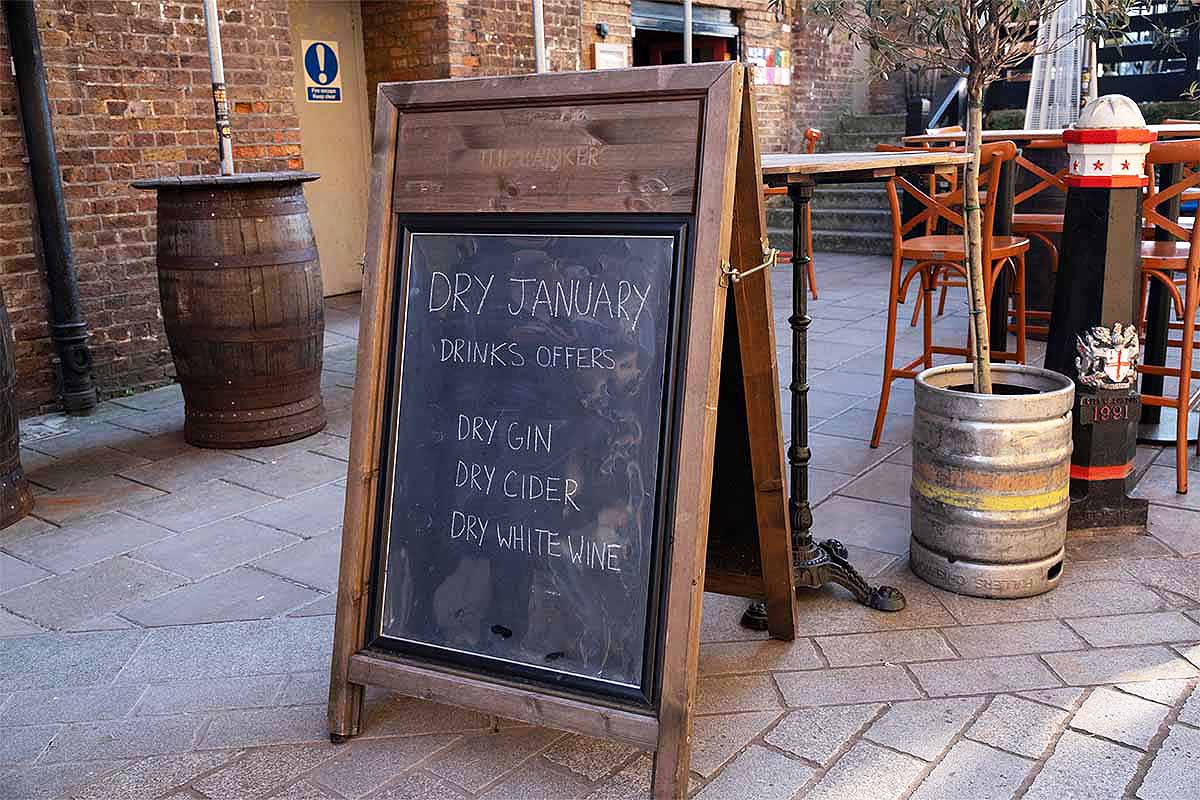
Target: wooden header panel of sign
532	447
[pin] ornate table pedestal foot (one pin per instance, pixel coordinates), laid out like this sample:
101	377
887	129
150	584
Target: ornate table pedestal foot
828	562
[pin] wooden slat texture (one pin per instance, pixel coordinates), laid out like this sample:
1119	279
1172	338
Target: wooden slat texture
760	378
1049	135
476	93
242	306
616	157
675	125
776	165
511	702
16	498
697	434
362	481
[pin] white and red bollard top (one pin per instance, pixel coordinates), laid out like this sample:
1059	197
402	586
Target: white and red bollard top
1108	145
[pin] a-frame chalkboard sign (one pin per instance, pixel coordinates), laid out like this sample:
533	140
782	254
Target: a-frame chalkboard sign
549	374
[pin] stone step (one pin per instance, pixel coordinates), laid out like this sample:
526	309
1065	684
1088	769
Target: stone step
869	122
837	241
847	219
859	142
868	195
852	196
851	219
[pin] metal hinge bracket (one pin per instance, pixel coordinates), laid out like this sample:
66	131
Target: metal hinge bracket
730	274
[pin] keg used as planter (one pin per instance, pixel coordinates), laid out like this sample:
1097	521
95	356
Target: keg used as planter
240	285
16	499
990	480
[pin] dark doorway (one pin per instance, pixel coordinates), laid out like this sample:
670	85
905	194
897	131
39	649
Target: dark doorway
658	33
655	48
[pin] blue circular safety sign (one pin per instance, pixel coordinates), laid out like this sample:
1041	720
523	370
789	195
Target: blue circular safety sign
320	63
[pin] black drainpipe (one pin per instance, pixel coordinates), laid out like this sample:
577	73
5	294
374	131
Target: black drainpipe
67	326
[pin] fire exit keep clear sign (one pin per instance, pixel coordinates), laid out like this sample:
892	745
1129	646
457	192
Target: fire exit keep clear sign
322	71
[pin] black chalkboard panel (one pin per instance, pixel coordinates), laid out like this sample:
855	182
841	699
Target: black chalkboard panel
529	419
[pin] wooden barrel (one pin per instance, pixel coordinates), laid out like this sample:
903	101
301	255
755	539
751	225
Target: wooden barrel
240	285
16	499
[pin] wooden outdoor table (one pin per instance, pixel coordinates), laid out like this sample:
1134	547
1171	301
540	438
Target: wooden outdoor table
1048	136
827	562
1158	424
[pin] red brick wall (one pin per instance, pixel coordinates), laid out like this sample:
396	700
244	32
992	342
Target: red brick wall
129	87
405	41
495	37
823	76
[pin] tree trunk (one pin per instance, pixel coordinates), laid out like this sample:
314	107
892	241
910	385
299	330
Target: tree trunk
980	345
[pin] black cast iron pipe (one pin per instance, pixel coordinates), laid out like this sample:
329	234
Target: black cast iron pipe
67	326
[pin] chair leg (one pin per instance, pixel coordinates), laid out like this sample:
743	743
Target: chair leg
1020	303
912	323
942	300
1143	302
928	278
1191	301
889	351
812	272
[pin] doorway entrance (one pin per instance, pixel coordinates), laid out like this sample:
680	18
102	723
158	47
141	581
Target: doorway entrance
335	131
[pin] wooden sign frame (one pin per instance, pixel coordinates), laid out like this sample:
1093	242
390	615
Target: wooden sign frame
725	220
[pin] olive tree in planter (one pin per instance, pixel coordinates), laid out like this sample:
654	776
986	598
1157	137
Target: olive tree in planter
978	40
991	464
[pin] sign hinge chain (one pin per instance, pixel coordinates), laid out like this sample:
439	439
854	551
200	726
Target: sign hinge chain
730	274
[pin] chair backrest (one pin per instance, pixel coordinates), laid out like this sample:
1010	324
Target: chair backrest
937	207
811	137
1046	179
1176	151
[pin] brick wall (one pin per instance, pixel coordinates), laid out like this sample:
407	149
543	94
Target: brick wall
129	87
823	75
405	41
495	37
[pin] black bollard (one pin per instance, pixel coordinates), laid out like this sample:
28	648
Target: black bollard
1094	325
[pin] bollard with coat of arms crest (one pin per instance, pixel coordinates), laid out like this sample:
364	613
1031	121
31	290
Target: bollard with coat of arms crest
1094	325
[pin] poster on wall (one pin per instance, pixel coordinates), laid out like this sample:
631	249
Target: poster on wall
772	65
322	72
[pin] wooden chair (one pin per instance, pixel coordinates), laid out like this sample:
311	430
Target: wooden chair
811	137
932	254
1036	226
1190	195
1163	261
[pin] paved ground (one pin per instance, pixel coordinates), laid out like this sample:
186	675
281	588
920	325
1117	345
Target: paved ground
167	623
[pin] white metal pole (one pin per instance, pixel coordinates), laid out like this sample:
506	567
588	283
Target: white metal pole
539	37
687	31
216	67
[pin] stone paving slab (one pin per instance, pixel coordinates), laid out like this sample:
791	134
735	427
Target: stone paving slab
924	728
1019	725
86	542
214	548
1083	766
1088	691
243	593
868	771
200	505
1119	664
14	572
100	588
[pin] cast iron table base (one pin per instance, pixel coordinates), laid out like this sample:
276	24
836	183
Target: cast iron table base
816	564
